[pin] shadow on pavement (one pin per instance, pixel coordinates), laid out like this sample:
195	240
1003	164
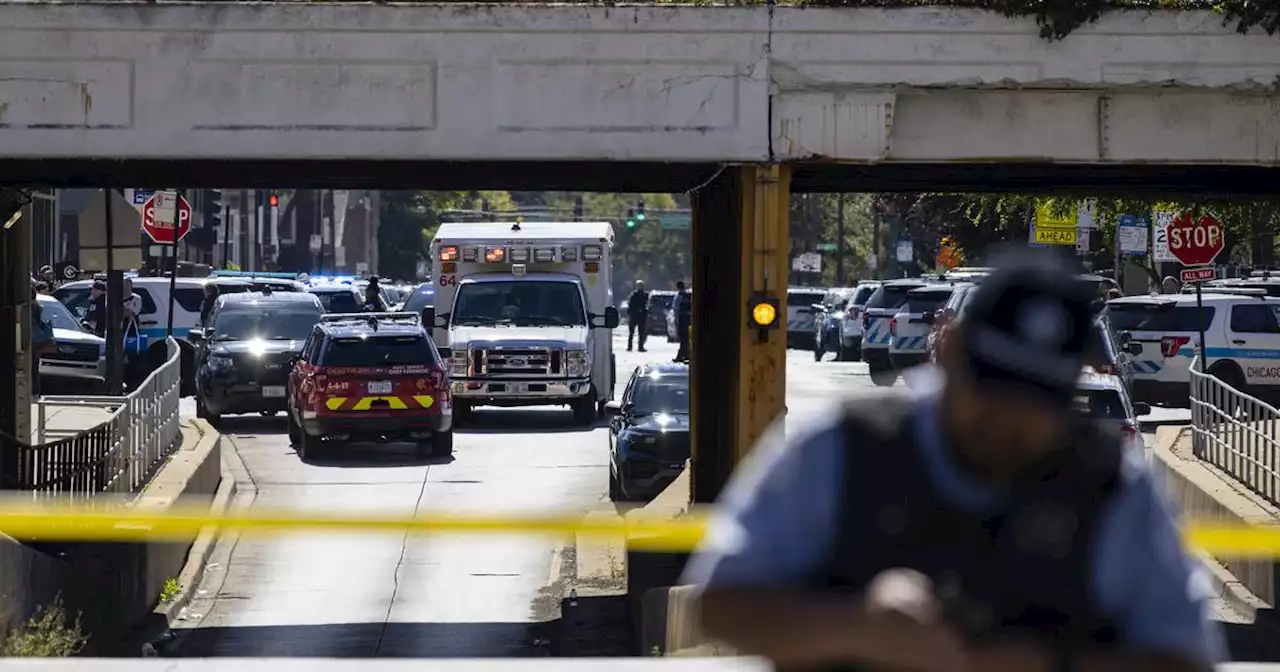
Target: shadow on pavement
368	455
245	425
364	640
505	420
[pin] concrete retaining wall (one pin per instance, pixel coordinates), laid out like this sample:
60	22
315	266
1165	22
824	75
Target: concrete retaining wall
114	586
1202	492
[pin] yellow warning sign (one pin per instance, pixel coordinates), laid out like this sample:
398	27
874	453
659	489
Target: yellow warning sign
1055	236
1047	220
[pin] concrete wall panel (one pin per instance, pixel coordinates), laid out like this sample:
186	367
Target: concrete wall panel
665	83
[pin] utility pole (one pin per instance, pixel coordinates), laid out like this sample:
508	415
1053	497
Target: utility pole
244	231
875	247
840	240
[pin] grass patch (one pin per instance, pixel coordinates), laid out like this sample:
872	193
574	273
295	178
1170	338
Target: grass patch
169	590
47	634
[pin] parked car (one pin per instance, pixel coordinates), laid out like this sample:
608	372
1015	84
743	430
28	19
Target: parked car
828	318
78	361
802	316
648	431
659	306
1103	399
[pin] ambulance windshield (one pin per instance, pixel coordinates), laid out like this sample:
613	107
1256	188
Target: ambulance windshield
519	303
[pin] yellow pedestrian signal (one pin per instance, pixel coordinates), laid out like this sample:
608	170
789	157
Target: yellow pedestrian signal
763	311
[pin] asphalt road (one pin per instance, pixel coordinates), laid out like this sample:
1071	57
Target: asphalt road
391	595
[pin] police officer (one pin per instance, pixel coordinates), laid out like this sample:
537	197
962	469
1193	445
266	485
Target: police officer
373	297
974	525
638	315
682	306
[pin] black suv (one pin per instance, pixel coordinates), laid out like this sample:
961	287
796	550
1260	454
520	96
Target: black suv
245	352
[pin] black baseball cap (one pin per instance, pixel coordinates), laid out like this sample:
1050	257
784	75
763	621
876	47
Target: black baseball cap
1029	326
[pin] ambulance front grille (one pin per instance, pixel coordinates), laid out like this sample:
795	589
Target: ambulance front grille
518	361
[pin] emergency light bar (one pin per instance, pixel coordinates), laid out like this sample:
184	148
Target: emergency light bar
543	255
592	252
519	255
254	274
365	317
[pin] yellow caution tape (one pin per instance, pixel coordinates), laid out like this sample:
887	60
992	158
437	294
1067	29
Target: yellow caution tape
183	522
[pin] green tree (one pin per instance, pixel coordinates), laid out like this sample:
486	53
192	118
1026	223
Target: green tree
409	220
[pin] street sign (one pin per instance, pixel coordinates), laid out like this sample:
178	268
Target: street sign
1052	229
1056	236
675	221
906	251
827	247
809	262
1160	237
1195	241
1131	234
166	217
1200	274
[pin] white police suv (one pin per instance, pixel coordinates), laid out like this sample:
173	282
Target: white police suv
1242	333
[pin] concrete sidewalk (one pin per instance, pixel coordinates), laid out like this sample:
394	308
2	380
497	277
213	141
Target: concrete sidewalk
63	419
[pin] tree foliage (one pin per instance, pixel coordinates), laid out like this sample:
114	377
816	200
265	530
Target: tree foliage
977	221
1058	18
409	220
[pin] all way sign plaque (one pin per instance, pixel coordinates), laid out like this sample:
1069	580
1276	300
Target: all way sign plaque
1200	274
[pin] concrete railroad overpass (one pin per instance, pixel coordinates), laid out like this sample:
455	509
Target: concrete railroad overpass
740	105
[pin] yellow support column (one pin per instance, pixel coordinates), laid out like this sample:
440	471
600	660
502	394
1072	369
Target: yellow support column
762	363
740	247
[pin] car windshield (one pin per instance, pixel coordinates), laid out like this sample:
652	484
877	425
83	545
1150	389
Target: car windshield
862	294
1164	317
58	316
1101	404
660	301
422	297
343	301
890	296
253	321
519	303
803	299
925	302
356	351
668	393
76	299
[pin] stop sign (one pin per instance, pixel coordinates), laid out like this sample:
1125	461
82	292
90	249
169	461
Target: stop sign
1195	242
166	233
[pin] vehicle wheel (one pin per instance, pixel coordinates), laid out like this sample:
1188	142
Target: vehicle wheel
309	447
884	378
616	494
1233	377
461	413
441	444
584	411
295	432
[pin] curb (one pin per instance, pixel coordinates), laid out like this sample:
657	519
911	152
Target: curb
193	571
1230	590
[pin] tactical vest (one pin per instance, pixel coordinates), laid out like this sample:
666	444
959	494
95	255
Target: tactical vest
1025	570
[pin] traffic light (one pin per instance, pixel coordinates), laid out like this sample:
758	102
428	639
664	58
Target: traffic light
640	209
212	208
762	312
577	209
274	200
631	218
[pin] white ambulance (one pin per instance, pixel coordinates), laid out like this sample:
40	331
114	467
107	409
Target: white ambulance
523	312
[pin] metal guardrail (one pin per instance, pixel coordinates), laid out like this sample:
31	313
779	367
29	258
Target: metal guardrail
118	455
1236	432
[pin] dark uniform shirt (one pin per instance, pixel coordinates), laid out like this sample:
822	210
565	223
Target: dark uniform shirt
778	522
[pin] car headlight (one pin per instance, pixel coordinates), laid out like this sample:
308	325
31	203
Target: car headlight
578	364
218	363
458	363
